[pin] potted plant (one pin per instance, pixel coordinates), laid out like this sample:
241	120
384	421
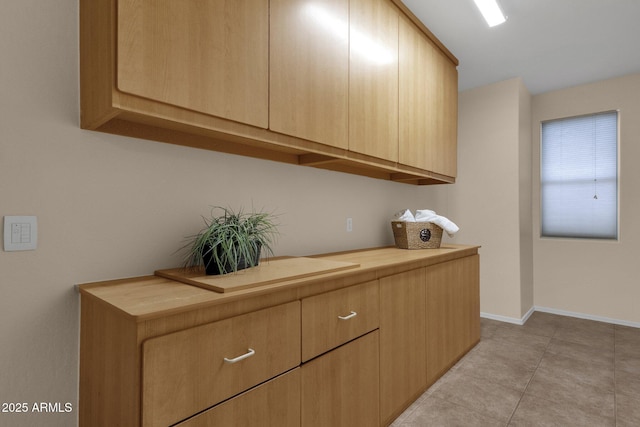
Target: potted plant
231	241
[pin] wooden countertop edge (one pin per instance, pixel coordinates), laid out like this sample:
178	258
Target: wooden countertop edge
302	286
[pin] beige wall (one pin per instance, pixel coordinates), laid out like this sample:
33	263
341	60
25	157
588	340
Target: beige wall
526	220
497	198
588	277
492	193
111	207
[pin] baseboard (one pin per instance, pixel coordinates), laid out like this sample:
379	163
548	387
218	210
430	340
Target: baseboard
528	314
504	319
533	309
588	317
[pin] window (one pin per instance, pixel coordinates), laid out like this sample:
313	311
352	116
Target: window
579	177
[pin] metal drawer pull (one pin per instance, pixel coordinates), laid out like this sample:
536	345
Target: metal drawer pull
349	316
239	358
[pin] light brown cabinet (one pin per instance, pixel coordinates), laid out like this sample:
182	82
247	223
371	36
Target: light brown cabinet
373	78
309	75
352	347
189	371
428	85
307	83
275	403
340	388
340	376
453	310
429	318
209	56
403	368
334	318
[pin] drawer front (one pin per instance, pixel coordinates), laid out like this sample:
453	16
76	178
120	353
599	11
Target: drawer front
334	318
188	371
275	403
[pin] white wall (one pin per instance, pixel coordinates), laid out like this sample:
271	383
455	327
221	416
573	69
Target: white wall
590	277
111	207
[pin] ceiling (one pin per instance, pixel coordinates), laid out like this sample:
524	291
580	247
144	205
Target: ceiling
551	44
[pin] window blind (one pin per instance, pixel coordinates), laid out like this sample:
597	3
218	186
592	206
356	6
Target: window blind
579	177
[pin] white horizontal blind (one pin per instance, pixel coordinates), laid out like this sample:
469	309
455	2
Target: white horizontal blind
579	177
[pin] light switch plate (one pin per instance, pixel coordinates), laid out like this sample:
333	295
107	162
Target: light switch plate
20	233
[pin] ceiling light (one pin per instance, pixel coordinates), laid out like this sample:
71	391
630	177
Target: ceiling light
491	12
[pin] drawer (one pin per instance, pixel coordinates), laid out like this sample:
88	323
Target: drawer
275	403
334	318
188	371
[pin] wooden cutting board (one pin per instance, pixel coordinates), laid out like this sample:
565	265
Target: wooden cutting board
267	272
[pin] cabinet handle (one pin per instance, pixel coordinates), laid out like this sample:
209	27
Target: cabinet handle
250	353
348	316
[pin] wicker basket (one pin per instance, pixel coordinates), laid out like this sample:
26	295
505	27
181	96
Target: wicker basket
416	235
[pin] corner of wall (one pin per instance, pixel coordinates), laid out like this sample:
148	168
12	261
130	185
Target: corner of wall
525	170
494	155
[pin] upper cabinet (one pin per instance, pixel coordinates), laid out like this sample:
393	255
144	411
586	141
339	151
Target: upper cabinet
357	86
209	56
373	78
309	75
428	103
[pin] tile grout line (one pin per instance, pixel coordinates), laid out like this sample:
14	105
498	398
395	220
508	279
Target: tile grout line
532	375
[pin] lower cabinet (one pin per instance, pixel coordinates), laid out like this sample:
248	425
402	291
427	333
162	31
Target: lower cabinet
189	371
340	354
341	387
402	342
429	318
275	403
334	318
453	312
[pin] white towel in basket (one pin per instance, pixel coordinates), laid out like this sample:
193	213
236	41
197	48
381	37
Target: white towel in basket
447	225
404	215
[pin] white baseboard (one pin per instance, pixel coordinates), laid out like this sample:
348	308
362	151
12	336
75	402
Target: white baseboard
505	319
533	309
528	314
588	317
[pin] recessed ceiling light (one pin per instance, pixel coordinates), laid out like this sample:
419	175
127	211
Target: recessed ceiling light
491	12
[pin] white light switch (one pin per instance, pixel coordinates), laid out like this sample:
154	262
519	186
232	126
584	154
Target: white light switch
20	233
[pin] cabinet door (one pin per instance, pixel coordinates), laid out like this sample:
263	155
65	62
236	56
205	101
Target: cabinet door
453	312
275	403
428	85
209	56
188	371
402	342
309	70
340	388
373	78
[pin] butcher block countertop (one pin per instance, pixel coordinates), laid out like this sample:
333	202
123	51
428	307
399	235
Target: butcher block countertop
148	297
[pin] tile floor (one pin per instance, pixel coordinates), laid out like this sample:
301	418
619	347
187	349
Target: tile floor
553	371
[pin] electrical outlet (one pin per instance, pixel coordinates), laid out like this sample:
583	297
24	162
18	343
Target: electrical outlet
349	225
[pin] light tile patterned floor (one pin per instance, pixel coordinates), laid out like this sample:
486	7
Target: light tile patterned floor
553	371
